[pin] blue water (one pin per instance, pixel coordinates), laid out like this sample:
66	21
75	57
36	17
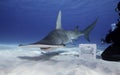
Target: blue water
26	21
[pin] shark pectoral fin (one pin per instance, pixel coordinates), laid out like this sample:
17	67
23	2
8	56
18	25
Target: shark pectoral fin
58	22
89	29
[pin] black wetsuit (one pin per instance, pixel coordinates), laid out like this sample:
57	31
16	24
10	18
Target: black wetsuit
112	53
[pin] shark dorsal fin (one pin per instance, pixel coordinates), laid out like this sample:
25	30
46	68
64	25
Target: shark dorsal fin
58	22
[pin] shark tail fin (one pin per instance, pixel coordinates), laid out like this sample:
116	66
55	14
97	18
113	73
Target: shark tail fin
58	22
88	29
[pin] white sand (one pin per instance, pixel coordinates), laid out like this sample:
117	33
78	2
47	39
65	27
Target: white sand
31	63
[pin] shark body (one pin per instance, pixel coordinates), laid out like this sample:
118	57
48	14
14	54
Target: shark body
59	36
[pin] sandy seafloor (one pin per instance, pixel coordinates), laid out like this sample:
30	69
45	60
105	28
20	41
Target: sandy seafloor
29	61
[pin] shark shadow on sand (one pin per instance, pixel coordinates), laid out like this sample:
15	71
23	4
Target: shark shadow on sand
43	56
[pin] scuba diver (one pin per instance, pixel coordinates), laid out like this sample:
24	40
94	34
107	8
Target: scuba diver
112	53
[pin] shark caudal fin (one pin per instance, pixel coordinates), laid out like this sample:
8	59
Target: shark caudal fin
58	22
88	29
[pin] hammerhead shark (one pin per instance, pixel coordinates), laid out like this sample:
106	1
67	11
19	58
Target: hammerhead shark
59	37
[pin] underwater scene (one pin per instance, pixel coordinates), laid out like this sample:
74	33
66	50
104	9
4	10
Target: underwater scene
59	37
